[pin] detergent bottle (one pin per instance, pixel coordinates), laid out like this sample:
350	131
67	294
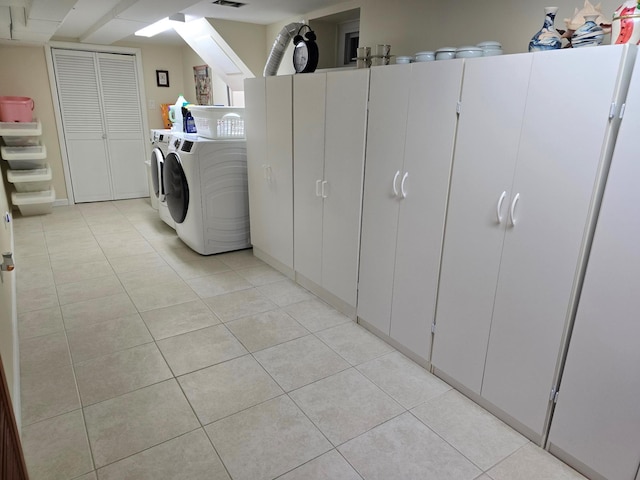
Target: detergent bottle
175	115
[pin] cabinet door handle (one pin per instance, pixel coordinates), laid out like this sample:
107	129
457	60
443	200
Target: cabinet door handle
404	180
318	188
513	209
269	172
324	194
499	206
264	167
395	180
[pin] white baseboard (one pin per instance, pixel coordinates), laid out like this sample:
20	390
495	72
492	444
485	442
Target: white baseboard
61	202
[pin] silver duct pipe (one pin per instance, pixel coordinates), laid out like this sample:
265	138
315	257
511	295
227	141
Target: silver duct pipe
279	46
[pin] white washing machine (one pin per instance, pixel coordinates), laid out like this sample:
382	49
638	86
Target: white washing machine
160	143
206	190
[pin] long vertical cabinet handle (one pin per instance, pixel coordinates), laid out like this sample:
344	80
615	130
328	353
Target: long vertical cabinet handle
270	171
404	180
513	209
264	168
324	193
395	181
318	188
499	206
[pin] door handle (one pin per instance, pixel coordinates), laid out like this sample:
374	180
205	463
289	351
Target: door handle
513	209
318	188
404	180
324	193
395	180
499	206
269	172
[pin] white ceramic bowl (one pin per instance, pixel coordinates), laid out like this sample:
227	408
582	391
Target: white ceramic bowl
491	52
490	44
404	59
468	52
425	56
445	53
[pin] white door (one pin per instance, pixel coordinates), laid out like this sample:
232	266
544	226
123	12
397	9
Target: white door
431	128
386	131
597	419
309	92
346	123
492	106
556	171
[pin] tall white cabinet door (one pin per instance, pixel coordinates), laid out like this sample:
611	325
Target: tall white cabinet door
124	126
431	129
255	114
279	201
554	179
309	93
388	105
493	102
347	94
597	419
83	124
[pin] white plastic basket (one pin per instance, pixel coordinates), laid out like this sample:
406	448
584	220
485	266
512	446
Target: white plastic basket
218	122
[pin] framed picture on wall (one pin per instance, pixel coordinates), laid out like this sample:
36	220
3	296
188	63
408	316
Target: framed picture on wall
162	78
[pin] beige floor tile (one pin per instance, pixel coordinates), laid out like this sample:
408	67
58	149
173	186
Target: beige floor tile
199	268
227	388
152	295
266	440
345	405
139	247
133	422
88	476
285	293
177	319
473	431
63	224
407	382
300	362
232	306
260	275
103	338
202	348
315	315
119	240
31	299
118	373
144	277
64	236
77	257
265	330
218	284
24	225
85	271
111	223
132	263
354	343
405	448
190	456
533	463
34	261
240	259
173	250
97	310
46	351
40	322
66	457
89	289
34	244
330	466
70	244
34	277
47	392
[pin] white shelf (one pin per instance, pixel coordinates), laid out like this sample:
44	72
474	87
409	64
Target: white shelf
21	129
33	152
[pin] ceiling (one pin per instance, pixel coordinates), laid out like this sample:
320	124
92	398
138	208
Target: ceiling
107	21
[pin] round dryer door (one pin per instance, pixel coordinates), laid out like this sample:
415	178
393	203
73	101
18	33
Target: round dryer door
157	159
176	189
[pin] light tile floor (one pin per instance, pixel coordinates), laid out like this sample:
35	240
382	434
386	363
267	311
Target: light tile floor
141	359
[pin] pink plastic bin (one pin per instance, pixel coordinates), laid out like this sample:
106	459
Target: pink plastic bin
16	109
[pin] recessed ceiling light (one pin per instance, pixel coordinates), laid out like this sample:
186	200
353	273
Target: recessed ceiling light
229	3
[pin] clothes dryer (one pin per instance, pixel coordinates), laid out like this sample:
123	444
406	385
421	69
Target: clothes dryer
205	183
160	143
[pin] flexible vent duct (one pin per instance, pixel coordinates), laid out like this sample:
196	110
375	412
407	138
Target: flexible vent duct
279	46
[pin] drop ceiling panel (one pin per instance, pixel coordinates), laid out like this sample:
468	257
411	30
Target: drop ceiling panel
52	10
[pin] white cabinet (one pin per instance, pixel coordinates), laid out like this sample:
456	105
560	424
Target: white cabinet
330	114
522	202
268	116
596	423
411	132
102	123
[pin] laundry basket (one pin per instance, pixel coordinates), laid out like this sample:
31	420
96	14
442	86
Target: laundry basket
16	109
218	123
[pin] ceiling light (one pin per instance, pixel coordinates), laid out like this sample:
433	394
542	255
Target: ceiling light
229	3
160	26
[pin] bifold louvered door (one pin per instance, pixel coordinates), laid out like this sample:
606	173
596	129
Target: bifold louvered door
102	123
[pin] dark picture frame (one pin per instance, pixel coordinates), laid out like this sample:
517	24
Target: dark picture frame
162	78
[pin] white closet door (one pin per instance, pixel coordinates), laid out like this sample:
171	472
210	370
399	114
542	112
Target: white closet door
309	92
388	104
431	130
83	124
124	127
493	102
346	124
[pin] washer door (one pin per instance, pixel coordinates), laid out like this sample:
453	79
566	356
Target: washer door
157	162
176	188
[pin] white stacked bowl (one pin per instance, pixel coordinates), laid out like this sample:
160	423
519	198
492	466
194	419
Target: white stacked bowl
490	48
